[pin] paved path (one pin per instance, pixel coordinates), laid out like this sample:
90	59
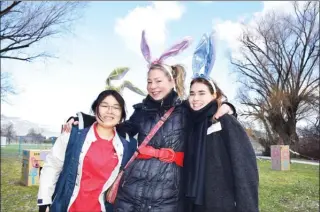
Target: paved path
315	163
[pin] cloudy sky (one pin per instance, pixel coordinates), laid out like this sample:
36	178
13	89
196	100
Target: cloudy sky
108	36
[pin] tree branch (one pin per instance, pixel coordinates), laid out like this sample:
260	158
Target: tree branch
8	9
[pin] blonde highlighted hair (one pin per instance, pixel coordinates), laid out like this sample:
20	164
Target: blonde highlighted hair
177	72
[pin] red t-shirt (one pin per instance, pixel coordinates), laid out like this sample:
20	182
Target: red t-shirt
99	162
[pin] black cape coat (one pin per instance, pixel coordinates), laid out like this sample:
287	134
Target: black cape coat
230	182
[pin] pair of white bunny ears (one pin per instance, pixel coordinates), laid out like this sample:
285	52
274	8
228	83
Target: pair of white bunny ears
204	58
173	51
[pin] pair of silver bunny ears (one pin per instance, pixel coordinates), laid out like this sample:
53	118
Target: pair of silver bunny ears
204	58
173	51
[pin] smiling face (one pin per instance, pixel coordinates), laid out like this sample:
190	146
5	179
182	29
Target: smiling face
200	96
159	83
110	112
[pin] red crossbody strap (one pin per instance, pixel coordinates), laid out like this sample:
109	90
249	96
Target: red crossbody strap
150	135
111	195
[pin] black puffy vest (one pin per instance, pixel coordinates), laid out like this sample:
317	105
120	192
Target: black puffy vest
152	185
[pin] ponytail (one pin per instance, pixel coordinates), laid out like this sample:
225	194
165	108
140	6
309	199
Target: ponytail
179	75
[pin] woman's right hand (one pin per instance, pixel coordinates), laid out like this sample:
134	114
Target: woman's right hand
68	126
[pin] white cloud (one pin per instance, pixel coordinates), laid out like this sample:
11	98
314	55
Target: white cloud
283	6
230	31
153	19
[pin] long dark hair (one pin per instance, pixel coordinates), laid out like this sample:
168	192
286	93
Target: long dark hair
95	105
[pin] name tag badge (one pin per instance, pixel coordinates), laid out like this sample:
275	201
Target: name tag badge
214	128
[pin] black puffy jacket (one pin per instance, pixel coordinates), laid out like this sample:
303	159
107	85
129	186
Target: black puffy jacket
152	185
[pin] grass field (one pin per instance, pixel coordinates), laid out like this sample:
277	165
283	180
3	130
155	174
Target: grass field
296	190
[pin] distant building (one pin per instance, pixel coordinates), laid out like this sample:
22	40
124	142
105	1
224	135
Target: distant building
3	141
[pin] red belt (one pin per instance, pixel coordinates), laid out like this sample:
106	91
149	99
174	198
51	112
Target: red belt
163	154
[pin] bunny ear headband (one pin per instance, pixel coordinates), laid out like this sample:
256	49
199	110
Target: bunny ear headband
203	58
173	51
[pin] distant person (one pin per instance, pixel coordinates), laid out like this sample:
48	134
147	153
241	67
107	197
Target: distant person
83	164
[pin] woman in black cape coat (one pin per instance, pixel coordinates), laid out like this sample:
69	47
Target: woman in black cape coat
220	165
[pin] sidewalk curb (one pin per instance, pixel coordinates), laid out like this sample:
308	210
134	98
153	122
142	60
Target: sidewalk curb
292	161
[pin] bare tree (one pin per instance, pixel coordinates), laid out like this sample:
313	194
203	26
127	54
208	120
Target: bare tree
309	141
25	23
36	135
6	86
9	132
279	70
32	131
